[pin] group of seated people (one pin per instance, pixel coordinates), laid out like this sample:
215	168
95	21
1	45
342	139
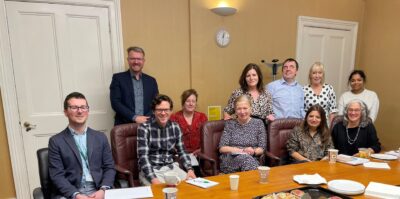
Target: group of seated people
80	160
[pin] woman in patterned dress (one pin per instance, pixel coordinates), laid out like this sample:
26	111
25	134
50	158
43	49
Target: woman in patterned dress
311	140
318	92
251	84
242	140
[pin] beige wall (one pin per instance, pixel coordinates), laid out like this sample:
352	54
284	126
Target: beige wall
261	29
161	28
178	37
379	58
7	183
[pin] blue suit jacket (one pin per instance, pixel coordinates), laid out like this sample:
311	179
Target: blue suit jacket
123	99
65	165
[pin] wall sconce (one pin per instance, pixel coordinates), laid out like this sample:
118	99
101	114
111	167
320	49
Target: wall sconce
224	10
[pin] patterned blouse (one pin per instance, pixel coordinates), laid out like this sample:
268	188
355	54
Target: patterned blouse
261	108
309	147
326	99
190	133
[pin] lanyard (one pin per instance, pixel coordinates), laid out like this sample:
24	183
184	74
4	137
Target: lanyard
82	151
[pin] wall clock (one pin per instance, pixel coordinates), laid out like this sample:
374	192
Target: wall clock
222	38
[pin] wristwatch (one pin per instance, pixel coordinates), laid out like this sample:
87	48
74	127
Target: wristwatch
104	188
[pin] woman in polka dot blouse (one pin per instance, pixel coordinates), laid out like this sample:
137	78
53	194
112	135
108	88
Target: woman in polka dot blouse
318	92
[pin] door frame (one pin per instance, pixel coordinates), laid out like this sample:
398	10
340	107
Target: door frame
304	21
8	88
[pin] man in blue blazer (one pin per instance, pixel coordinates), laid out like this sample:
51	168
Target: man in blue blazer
132	91
80	159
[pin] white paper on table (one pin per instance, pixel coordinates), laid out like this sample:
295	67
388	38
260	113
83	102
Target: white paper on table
128	193
381	190
201	182
377	165
193	160
309	179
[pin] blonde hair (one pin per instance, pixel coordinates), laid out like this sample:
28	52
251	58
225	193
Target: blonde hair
314	67
243	98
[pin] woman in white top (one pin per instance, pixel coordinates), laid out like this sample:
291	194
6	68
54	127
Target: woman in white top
318	92
357	81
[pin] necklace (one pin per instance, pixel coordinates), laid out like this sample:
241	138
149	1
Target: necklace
349	140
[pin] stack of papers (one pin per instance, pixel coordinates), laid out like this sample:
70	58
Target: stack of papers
377	165
309	179
351	159
201	182
128	193
380	190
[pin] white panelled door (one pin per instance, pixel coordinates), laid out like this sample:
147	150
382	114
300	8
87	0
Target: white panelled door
57	49
331	42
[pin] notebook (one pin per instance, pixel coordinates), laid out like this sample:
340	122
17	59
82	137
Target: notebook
351	159
201	182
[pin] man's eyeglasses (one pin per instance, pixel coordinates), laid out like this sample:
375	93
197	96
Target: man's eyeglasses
76	108
162	110
135	59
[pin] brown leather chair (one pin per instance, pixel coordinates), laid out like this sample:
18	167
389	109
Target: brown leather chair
278	134
336	119
211	133
124	151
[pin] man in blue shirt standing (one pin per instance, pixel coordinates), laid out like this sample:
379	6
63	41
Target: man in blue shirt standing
287	93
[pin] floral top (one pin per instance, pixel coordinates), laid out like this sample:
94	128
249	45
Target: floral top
190	133
326	99
309	147
261	108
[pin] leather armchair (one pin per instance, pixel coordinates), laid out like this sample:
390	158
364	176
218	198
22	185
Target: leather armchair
277	135
44	191
124	151
336	119
211	133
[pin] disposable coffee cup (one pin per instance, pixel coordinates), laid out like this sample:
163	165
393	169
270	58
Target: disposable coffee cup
333	153
170	193
264	173
234	182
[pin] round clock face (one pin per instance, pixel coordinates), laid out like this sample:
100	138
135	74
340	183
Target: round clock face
222	37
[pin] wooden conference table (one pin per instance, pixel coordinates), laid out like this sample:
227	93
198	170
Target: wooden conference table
281	178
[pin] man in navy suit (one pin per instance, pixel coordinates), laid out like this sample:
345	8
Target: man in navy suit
80	160
132	91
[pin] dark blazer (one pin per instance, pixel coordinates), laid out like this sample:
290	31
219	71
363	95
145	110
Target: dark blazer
65	165
123	99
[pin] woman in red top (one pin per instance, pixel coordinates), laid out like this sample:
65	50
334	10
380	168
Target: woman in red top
190	121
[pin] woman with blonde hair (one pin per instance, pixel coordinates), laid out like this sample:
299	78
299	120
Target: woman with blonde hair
319	92
242	140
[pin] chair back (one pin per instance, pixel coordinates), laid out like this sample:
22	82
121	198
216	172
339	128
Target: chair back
336	119
43	161
124	151
277	136
211	133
